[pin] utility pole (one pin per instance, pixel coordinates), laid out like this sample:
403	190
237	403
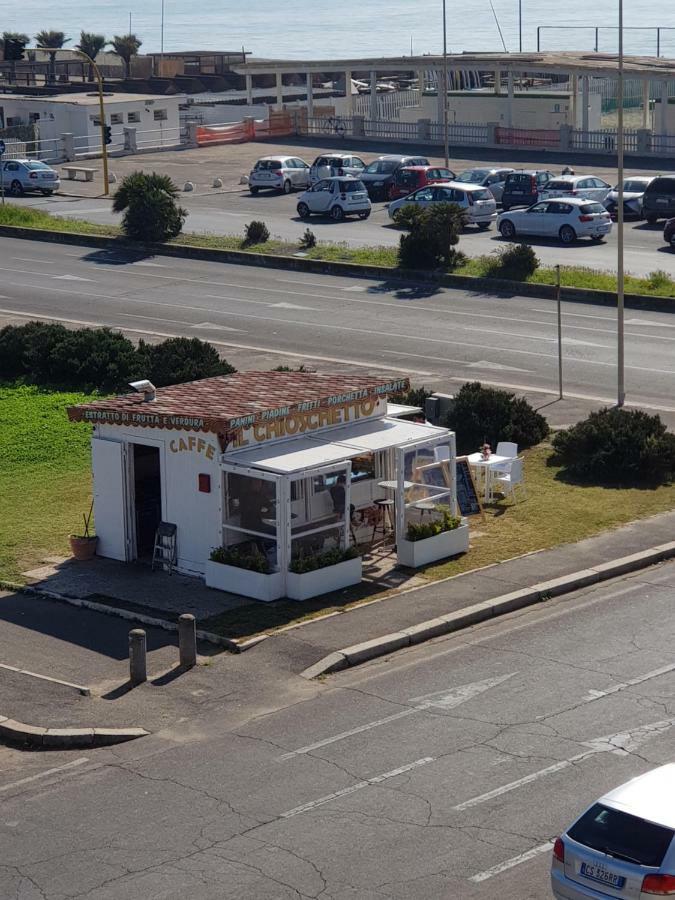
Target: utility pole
445	90
621	388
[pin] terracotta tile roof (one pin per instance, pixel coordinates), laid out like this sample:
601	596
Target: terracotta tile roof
230	402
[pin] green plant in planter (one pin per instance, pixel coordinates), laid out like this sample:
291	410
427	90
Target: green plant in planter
303	564
254	560
420	531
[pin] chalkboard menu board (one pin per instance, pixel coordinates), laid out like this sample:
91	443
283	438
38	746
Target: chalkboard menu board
467	496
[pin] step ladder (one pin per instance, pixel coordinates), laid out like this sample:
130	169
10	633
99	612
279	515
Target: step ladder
164	551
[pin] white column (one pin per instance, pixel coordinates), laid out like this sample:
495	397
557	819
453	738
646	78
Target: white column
585	97
574	101
349	105
310	96
509	100
661	126
498	81
249	90
280	90
373	95
645	104
441	100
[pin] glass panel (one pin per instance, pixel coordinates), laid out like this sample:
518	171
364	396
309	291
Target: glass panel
318	514
427	485
250	517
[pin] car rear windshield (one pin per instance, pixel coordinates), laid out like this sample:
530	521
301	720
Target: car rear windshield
482	195
473	177
560	186
348	187
589	208
622	835
263	164
406	178
662	186
34	164
519	180
336	161
634	187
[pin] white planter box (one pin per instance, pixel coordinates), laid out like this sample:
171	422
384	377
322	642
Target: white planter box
242	581
420	553
323	581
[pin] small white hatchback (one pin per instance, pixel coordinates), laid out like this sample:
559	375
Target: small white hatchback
337	198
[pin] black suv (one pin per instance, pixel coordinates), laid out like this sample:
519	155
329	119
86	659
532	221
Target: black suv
522	188
658	201
379	176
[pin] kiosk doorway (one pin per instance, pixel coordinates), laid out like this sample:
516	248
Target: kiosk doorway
147	496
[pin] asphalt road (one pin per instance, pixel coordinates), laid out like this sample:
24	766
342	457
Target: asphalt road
444	771
425	331
227	213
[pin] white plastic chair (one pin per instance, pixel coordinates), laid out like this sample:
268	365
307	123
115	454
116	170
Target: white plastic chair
508	449
514	478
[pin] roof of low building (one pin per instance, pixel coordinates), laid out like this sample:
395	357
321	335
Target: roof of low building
90	98
230	402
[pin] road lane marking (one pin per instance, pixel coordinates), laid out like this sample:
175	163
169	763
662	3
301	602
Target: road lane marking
485	364
622	685
377	779
621	744
45	774
447	699
511	863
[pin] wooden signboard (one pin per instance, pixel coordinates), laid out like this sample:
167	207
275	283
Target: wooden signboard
437	475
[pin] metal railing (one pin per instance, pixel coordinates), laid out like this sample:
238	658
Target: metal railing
463	133
400	131
604	141
528	137
49	150
597	29
158	137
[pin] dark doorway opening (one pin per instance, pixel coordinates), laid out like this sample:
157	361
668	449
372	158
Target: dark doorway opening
148	497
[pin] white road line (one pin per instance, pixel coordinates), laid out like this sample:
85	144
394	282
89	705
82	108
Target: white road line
45	774
447	699
622	685
621	743
510	863
377	779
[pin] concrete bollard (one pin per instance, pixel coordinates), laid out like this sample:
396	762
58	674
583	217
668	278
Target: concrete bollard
188	186
138	651
217	182
187	641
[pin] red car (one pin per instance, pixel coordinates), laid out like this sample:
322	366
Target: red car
410	178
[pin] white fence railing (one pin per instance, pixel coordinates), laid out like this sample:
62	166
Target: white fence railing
45	150
158	137
463	133
388	105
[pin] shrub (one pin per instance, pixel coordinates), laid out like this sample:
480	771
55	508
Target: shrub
515	263
149	206
308	240
617	445
408	215
433	234
21	344
413	397
487	415
181	359
419	531
300	368
255	232
253	560
658	280
302	564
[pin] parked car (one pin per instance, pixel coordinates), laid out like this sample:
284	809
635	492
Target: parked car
337	198
333	165
410	178
622	846
22	175
658	201
378	177
588	187
633	192
493	179
566	220
480	207
522	188
669	232
279	173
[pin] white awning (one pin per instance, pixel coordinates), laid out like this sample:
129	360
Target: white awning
382	434
396	410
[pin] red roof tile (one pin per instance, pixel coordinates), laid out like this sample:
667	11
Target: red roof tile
230	402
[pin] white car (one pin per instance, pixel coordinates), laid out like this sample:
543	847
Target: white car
22	175
279	173
622	846
493	179
337	198
566	220
633	191
332	165
478	204
589	187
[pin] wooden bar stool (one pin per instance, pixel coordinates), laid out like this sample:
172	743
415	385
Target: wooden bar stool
386	507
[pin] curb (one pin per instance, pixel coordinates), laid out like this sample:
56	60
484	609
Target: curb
488	609
80	688
344	269
18	733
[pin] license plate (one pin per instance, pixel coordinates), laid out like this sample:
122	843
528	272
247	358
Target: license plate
604	876
517	192
661	200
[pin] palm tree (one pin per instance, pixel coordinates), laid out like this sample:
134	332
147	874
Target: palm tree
55	39
91	44
17	38
126	46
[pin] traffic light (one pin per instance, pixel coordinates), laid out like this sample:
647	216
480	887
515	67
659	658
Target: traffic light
14	50
107	134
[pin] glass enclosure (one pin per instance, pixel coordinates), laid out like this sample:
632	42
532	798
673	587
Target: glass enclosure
251	506
321	510
428	483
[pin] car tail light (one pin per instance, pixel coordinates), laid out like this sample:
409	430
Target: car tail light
32	174
559	850
573	193
341	172
533	184
585	218
660	885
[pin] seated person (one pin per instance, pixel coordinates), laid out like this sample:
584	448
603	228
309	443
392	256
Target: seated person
337	493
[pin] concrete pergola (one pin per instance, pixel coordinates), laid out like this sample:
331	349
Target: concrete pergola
579	67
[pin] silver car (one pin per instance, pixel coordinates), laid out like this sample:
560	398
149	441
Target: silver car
588	187
279	173
622	846
22	175
633	191
334	165
492	179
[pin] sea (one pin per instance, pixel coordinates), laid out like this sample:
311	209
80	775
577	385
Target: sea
325	29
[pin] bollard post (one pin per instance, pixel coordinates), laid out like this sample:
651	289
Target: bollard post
138	672
187	641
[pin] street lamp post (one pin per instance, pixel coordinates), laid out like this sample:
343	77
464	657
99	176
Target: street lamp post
445	90
101	109
621	390
520	26
161	42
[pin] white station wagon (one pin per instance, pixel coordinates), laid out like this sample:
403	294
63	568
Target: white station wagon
337	198
565	219
622	846
588	187
477	203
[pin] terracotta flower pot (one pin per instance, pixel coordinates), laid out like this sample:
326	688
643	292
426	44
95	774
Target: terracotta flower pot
83	547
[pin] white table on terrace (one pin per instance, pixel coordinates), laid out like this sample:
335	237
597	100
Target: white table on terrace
488	469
